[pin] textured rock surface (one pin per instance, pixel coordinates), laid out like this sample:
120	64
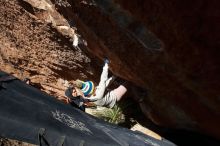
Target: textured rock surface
169	48
188	79
31	46
178	63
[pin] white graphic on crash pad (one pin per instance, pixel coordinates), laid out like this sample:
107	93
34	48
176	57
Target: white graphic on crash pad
70	121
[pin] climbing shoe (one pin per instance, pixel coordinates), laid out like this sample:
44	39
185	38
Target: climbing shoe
106	61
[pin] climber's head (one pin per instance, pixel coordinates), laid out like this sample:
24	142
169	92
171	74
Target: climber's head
86	87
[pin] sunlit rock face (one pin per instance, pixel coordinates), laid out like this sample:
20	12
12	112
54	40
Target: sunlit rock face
168	48
36	42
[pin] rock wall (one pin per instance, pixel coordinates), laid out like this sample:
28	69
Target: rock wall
168	48
37	43
189	31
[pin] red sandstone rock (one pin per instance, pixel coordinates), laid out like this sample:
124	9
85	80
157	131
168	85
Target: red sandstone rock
176	58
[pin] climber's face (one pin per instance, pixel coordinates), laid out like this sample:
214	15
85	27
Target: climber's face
74	93
77	92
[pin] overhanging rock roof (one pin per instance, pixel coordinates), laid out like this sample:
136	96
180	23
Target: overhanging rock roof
29	115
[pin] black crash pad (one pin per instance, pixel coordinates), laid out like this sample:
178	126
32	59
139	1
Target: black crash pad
29	115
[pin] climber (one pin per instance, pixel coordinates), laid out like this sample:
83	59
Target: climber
75	97
97	95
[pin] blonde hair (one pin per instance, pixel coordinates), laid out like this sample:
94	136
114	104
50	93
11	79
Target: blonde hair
77	83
